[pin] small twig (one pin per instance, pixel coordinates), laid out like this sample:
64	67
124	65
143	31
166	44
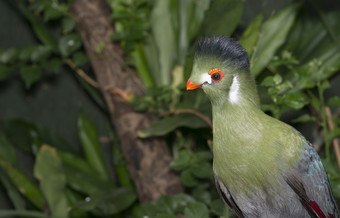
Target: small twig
335	140
121	93
81	73
189	111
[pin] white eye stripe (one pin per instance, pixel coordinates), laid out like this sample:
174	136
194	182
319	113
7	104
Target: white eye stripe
234	90
206	78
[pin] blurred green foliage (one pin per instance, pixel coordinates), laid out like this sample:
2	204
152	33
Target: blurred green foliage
293	57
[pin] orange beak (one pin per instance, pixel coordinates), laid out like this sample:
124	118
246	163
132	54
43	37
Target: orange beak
191	85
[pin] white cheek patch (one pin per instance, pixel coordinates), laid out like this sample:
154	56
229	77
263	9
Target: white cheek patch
205	78
234	93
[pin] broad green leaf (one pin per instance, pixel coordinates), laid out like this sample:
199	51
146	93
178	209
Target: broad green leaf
332	134
170	123
68	24
40	53
22	134
164	39
202	170
188	179
55	11
182	161
16	198
251	34
90	142
296	100
38	26
77	162
5	71
26	187
69	44
217	207
334	101
109	202
49	171
30	74
9	56
81	181
273	35
202	195
196	210
222	17
180	201
26	53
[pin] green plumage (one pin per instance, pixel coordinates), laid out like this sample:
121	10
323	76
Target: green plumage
254	154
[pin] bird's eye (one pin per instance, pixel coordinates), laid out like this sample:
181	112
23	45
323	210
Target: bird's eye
216	75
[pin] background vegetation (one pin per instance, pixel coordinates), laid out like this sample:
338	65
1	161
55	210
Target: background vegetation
59	154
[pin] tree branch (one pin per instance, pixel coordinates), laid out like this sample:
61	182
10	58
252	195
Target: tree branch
147	159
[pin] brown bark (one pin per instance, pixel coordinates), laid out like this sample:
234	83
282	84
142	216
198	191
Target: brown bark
147	159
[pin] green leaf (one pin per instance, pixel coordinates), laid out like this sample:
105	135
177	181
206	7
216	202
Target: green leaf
296	100
40	53
182	161
23	184
170	123
110	202
49	171
202	170
217	207
38	26
16	198
304	118
334	101
164	40
84	182
188	179
7	151
251	34
273	35
222	17
90	142
69	44
180	201
9	56
142	65
68	24
5	71
202	195
55	11
332	134
30	74
26	53
196	210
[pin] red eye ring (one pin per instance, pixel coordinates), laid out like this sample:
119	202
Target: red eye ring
216	75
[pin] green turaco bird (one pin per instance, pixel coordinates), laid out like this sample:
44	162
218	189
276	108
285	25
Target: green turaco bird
263	167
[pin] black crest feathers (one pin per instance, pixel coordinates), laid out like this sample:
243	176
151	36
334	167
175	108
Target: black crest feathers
227	49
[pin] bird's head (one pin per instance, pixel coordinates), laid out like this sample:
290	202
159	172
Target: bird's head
221	66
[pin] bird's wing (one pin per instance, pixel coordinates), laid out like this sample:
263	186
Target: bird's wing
310	182
226	197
